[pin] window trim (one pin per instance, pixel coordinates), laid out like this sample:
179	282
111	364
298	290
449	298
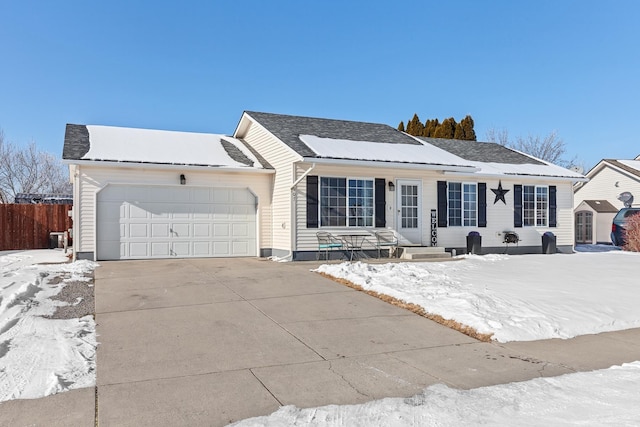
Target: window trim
535	206
347	197
462	209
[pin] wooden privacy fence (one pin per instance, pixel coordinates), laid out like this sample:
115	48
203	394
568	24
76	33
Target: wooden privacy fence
28	226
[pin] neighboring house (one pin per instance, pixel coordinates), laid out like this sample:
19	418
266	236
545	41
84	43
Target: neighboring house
284	178
596	201
44	199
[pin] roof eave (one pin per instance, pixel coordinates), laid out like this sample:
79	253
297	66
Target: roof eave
389	164
512	175
143	165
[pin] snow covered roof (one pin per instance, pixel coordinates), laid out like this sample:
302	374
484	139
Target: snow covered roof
131	145
289	128
315	138
382	152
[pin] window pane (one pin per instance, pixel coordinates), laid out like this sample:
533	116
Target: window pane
361	203
455	204
542	202
470	205
333	202
528	205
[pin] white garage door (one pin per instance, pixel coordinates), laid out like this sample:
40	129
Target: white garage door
138	222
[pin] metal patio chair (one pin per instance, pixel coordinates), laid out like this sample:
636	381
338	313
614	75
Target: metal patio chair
328	243
386	239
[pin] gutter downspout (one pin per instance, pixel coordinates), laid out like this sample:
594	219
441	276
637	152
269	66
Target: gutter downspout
294	206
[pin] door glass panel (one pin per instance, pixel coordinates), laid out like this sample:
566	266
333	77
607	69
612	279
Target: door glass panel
409	208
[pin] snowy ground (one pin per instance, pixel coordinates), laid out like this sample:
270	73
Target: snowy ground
606	397
517	298
39	355
514	297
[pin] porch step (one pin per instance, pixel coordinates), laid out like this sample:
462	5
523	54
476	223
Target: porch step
423	252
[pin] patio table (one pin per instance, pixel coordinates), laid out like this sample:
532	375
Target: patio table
354	242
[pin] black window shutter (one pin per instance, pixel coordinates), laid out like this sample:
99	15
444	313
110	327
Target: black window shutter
380	202
442	203
517	205
552	207
482	204
312	201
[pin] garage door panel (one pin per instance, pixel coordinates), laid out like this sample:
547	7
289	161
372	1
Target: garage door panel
202	230
202	249
138	212
138	230
161	222
221	230
240	230
160	249
139	250
160	230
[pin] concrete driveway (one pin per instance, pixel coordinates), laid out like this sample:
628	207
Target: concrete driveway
208	342
212	341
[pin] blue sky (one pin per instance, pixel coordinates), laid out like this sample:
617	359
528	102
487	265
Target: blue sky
529	67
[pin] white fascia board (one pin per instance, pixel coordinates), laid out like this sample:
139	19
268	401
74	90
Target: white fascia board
139	165
505	175
391	165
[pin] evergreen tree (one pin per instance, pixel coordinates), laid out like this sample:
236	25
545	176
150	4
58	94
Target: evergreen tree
446	129
430	127
415	126
467	128
459	132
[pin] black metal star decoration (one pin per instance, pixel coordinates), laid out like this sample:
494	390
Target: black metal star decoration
499	192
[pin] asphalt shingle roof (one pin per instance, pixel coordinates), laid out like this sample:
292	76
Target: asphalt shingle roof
487	152
624	167
601	205
76	142
289	128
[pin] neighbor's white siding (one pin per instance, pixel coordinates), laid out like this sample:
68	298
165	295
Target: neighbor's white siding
92	178
606	184
499	215
282	159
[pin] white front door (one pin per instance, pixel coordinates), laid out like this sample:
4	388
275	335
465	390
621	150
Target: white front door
409	219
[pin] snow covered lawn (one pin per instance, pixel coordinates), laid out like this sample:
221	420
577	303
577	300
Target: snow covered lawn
39	355
515	298
525	297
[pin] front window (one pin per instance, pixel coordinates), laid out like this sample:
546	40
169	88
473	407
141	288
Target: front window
462	204
535	205
346	202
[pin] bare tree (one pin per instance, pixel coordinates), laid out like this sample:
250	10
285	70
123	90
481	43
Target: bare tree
28	170
551	148
499	136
